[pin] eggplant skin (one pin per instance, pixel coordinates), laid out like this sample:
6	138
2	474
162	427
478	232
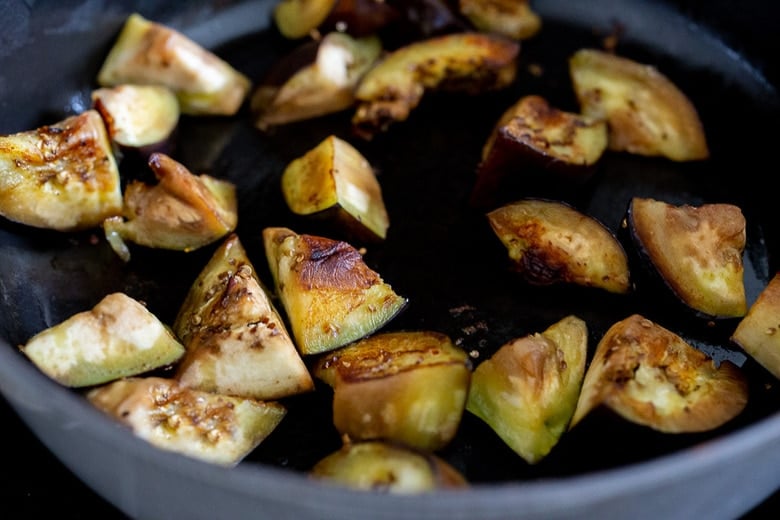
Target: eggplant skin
696	251
62	176
387	468
550	242
758	333
650	376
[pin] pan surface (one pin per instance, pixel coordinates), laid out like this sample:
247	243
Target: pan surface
440	253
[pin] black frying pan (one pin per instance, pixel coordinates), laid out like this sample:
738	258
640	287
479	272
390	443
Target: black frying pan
440	253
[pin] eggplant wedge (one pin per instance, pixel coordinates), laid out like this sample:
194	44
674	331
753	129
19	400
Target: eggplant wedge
405	387
117	338
528	390
387	468
296	19
146	52
511	18
211	427
564	145
140	118
335	181
236	341
647	113
182	212
695	250
316	79
299	18
650	376
62	176
550	242
467	62
758	333
331	297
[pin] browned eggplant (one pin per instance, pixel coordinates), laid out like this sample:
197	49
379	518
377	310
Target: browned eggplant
117	338
62	176
335	182
146	52
649	375
140	118
387	468
181	212
758	333
511	18
316	79
565	145
695	251
297	19
330	295
647	113
407	387
551	242
528	390
236	341
211	427
465	62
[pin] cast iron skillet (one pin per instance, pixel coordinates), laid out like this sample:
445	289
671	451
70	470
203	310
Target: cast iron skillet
439	253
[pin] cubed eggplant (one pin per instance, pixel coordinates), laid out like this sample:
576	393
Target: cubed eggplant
693	251
758	333
316	79
182	212
528	390
532	134
465	62
214	428
511	18
649	375
331	297
387	468
62	176
336	182
117	338
647	114
550	242
147	52
236	341
407	387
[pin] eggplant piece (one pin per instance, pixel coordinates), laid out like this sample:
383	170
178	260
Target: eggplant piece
695	250
331	297
211	427
405	387
464	62
531	132
511	18
140	118
62	176
647	114
299	18
387	468
236	341
528	390
550	242
182	212
117	338
649	375
335	181
317	79
758	333
147	52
